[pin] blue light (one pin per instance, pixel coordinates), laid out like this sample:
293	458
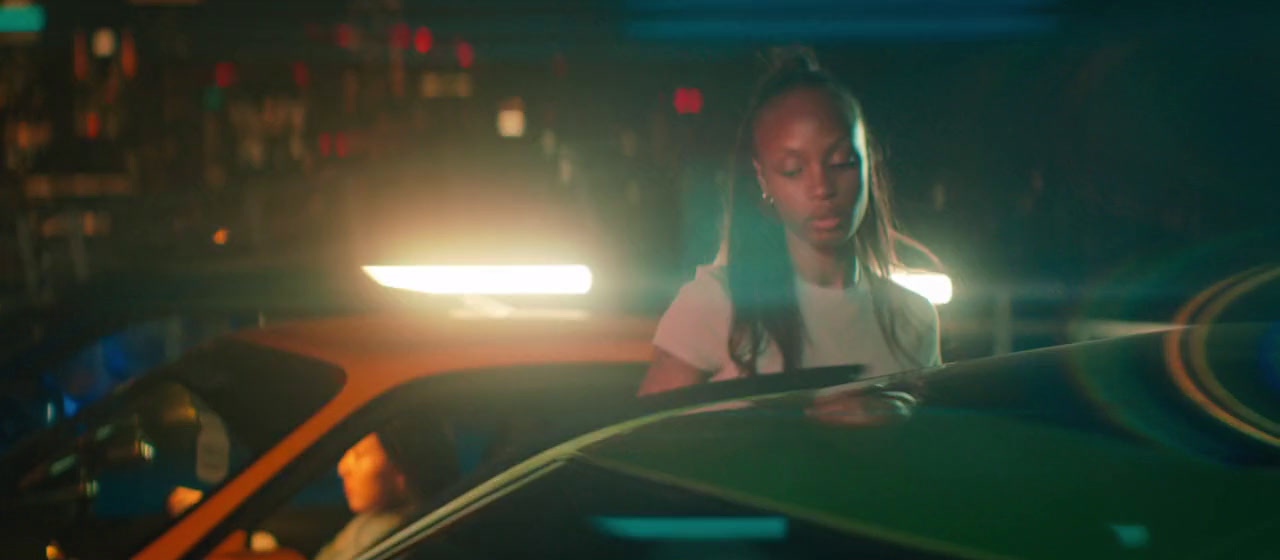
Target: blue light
831	5
21	19
869	28
693	528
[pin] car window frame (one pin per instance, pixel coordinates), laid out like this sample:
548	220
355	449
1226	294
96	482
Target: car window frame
217	355
325	452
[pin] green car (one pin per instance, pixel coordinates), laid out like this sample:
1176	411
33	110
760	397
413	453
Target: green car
1162	445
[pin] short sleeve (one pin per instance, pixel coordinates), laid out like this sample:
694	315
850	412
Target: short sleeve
695	327
930	345
923	335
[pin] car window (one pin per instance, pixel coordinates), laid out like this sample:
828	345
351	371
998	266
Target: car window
72	376
125	468
394	465
130	471
444	429
581	511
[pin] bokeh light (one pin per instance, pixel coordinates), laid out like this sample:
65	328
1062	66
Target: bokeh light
104	43
466	54
422	40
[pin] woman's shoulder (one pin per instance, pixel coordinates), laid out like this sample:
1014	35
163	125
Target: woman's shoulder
705	294
695	327
921	328
916	306
710	276
708	286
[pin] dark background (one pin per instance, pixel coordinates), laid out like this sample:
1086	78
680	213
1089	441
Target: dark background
1076	159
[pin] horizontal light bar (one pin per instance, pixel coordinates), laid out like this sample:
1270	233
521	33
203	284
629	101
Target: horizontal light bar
694	528
866	27
487	280
934	286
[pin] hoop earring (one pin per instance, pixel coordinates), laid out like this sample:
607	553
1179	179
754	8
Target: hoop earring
766	198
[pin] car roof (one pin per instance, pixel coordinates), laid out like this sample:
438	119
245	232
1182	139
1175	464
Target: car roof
973	473
1001	469
430	342
975	484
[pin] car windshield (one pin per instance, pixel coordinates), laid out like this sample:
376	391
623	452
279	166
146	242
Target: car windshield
125	468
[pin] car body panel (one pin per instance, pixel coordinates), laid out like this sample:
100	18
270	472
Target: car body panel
956	483
1045	454
381	352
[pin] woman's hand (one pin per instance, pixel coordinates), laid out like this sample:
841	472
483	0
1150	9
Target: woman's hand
861	408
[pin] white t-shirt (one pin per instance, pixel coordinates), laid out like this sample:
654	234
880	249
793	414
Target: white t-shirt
840	325
363	531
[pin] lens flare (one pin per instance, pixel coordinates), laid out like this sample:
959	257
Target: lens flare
1201	384
1113	384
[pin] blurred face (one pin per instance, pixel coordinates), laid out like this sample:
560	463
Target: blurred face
369	478
810	159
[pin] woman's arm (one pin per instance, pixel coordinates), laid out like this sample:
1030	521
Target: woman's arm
692	338
668	372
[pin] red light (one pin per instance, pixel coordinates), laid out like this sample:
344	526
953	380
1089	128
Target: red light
400	35
688	101
342	35
301	75
340	145
466	54
324	144
422	40
128	55
224	74
92	125
81	56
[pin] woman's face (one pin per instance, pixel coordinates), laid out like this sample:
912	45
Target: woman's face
369	478
811	160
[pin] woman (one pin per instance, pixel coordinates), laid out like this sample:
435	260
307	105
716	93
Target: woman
803	274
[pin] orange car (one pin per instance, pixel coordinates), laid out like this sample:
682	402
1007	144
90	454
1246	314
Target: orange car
231	450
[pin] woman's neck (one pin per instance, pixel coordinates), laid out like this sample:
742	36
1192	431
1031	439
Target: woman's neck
825	268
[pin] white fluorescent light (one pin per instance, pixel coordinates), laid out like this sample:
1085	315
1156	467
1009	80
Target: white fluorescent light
494	280
934	286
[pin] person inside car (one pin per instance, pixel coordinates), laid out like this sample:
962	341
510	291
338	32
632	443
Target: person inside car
387	476
803	275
